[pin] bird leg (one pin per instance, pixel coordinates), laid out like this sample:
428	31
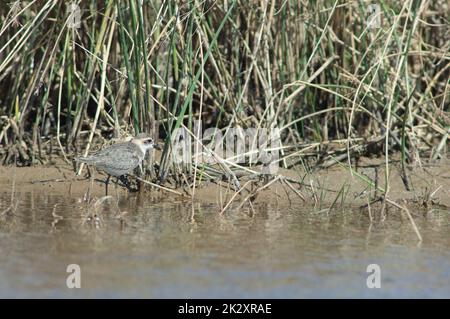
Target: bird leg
115	185
106	187
141	174
125	182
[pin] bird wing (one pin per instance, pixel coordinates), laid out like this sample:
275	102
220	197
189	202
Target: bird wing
120	158
101	155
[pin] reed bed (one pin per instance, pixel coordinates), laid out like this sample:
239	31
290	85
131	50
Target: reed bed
340	79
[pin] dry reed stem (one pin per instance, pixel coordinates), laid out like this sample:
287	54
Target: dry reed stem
159	186
416	230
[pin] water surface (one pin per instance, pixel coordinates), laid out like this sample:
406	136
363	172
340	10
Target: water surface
161	248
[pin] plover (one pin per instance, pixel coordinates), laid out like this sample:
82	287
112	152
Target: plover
120	159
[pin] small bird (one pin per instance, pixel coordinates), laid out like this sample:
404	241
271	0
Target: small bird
121	158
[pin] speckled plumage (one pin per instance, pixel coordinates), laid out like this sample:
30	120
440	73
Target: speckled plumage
116	160
121	158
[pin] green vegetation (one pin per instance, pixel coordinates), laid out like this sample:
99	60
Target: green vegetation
337	86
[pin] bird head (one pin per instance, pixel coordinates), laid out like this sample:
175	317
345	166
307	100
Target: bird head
145	142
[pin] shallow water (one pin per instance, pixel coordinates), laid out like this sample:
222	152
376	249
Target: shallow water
160	250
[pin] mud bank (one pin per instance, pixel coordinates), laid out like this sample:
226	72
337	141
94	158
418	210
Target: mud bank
429	185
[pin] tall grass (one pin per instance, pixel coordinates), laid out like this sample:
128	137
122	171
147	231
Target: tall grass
336	85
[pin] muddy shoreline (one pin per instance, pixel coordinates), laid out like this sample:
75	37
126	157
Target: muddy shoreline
159	245
429	185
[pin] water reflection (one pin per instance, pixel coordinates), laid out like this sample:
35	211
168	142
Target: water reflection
155	247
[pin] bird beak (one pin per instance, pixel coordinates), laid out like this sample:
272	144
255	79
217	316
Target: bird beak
156	146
